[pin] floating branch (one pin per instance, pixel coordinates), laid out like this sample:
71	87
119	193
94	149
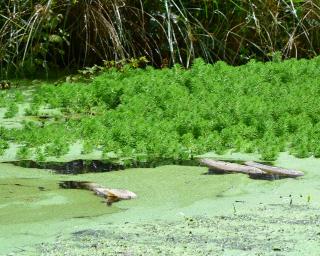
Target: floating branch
231	167
110	194
275	170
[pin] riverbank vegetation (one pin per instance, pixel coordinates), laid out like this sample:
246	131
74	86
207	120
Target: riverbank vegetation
176	113
101	85
41	37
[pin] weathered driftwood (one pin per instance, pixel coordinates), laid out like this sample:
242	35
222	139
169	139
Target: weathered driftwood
113	195
275	170
110	194
230	167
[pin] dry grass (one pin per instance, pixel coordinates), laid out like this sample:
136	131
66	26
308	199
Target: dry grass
47	34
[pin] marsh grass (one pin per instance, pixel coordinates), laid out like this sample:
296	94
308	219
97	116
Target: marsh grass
41	36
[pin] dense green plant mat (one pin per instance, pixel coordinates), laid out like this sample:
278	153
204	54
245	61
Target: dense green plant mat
143	114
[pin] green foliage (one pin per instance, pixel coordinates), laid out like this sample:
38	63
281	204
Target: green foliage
178	113
87	74
3	102
40	155
88	147
4	145
19	97
12	110
23	152
57	148
32	110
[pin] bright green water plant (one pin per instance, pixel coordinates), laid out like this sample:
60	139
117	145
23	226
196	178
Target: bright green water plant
32	110
177	113
12	110
4	145
40	155
57	148
23	152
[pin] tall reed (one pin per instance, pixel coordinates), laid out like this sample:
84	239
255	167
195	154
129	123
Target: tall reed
48	34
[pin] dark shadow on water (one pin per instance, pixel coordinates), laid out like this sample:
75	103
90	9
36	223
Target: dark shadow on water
86	166
270	177
89	232
216	172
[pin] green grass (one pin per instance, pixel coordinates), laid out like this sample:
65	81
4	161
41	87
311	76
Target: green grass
178	113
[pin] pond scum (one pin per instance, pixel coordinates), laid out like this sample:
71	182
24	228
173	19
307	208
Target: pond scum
176	113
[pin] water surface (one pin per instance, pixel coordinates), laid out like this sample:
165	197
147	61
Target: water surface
37	216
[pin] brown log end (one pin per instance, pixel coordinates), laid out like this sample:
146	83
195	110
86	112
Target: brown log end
275	170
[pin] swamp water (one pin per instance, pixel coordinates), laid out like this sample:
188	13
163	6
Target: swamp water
179	211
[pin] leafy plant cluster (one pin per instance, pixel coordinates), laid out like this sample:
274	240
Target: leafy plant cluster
88	73
12	110
178	113
39	36
9	100
4	145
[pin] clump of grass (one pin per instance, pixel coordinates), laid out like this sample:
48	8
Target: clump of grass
32	110
12	110
269	153
4	145
58	148
19	97
87	147
23	152
40	155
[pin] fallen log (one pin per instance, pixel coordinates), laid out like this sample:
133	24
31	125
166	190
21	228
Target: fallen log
231	167
110	194
275	170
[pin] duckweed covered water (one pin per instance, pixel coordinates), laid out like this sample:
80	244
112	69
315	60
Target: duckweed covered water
179	210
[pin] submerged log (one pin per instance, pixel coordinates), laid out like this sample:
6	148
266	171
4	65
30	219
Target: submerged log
110	194
275	170
230	167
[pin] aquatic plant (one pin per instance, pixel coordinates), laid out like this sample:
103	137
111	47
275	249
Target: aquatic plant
57	148
178	113
40	155
12	110
19	97
4	145
87	147
32	110
23	152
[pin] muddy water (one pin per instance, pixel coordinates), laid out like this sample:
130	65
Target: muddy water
179	210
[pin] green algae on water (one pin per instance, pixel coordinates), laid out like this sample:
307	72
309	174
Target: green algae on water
181	207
